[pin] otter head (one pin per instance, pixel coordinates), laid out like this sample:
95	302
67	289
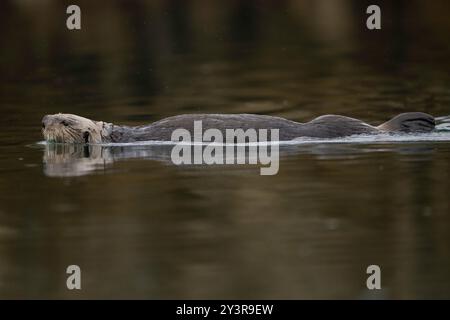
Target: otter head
70	128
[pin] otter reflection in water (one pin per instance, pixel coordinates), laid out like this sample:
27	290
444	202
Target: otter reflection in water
68	160
71	160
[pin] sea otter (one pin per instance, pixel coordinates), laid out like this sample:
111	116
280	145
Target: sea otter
69	128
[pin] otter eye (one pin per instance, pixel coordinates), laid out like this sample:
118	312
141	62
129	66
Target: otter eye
64	123
86	137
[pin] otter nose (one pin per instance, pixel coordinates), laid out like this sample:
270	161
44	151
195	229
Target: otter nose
46	121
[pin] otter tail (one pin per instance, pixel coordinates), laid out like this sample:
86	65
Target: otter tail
409	122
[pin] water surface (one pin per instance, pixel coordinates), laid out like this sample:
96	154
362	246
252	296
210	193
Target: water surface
141	227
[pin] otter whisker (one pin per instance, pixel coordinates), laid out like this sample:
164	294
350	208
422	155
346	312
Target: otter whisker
72	134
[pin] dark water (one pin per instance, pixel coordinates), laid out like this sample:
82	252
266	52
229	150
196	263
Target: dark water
140	227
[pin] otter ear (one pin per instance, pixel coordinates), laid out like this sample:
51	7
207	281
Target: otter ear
87	137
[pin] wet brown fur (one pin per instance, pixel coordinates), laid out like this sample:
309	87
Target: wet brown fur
69	128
